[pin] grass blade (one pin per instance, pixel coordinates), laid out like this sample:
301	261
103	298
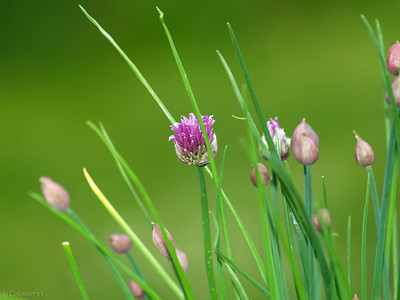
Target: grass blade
310	248
135	239
74	268
349	250
190	94
364	244
131	65
207	235
98	245
234	266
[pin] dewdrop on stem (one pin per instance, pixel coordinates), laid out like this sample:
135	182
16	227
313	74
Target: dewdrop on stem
54	194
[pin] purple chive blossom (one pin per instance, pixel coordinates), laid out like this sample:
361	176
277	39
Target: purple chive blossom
280	141
189	141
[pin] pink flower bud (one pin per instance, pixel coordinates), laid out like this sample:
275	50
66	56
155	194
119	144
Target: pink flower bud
305	150
325	218
396	92
183	261
304	129
355	297
54	194
120	243
263	173
136	289
159	241
363	152
393	60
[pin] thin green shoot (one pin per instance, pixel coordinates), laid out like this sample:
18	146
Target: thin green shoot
74	268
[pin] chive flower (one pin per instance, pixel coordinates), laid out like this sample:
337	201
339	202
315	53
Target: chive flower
363	152
159	241
305	144
190	146
136	289
54	194
325	217
281	141
263	173
120	243
393	60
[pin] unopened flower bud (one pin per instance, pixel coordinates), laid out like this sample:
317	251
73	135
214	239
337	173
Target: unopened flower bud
393	60
120	243
136	289
304	129
279	138
263	173
324	214
396	92
182	260
159	241
363	152
54	194
305	150
355	297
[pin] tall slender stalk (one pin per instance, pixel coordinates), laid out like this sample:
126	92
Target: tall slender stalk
207	235
309	208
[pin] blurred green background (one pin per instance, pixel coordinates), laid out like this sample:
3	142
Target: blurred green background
310	59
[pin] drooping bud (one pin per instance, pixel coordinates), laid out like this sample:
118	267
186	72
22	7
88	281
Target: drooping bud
136	289
263	173
304	129
324	213
120	243
54	194
363	152
159	241
182	259
279	138
393	60
396	92
305	150
355	297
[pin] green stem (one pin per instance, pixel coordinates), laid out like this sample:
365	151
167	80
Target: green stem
375	200
379	256
309	209
364	244
349	250
114	270
98	245
135	239
74	268
207	235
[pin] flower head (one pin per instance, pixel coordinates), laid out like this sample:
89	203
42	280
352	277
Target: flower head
54	194
393	60
325	217
120	243
305	144
190	146
136	289
159	241
263	173
363	152
279	137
